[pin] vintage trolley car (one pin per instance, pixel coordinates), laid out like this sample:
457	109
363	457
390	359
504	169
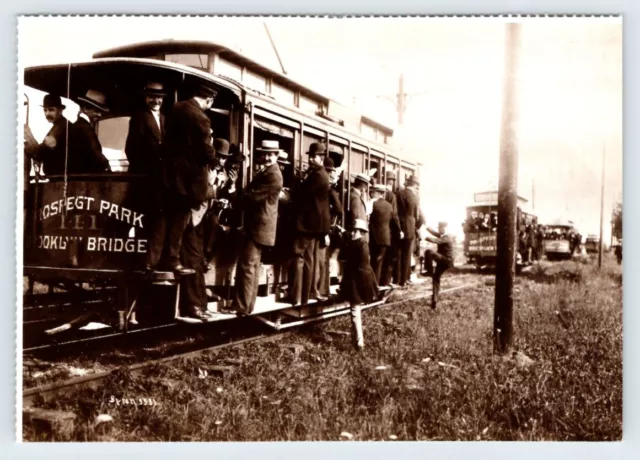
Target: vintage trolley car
89	230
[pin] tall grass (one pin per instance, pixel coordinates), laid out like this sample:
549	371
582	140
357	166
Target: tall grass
424	375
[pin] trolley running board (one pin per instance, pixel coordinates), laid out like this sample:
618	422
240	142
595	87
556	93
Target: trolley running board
343	309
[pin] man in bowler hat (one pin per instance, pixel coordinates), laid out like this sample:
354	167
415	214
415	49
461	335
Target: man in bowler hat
312	222
52	151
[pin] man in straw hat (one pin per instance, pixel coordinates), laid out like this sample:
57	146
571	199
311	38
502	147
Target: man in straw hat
146	129
358	285
52	151
312	222
260	205
443	257
188	154
408	215
85	151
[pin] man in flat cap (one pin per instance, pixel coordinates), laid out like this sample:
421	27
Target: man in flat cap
312	222
52	151
188	154
85	150
443	257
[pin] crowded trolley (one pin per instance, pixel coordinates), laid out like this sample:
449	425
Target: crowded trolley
203	186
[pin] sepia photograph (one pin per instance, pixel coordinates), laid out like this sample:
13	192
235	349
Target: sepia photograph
249	229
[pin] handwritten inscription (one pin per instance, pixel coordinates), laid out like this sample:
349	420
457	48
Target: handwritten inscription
87	203
132	401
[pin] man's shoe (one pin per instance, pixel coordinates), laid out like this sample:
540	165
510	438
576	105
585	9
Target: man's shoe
182	271
201	315
321	298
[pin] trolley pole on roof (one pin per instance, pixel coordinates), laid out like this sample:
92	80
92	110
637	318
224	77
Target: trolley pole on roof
507	199
275	48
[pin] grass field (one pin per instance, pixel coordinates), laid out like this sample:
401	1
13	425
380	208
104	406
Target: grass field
424	375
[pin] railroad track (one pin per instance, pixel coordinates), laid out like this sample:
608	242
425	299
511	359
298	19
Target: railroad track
49	391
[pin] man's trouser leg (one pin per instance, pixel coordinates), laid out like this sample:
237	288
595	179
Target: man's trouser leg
357	334
302	269
193	295
377	262
405	261
178	216
324	285
441	267
247	276
318	272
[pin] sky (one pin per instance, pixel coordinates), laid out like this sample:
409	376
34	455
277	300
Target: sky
569	92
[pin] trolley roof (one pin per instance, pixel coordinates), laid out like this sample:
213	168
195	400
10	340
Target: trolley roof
328	108
120	79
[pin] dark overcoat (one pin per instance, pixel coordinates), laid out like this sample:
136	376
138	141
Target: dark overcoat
188	151
311	203
143	145
261	205
358	284
85	151
381	223
408	212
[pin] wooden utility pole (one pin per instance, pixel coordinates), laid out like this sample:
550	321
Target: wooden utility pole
601	212
402	100
507	199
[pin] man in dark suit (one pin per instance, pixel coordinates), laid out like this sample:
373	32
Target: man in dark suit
443	257
326	251
260	201
146	128
85	152
408	216
52	151
188	155
381	227
358	200
312	222
143	150
390	270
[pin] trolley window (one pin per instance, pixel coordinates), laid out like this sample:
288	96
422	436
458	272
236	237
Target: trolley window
200	61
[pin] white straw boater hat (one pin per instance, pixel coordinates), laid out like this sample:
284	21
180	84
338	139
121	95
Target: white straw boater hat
283	158
96	99
269	146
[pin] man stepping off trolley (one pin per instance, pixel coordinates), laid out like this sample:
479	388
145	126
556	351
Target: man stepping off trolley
443	257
